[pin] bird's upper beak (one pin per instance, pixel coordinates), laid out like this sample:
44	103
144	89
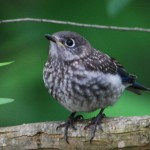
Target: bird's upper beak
51	38
54	39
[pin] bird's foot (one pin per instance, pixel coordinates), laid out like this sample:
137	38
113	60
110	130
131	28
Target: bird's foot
69	123
95	121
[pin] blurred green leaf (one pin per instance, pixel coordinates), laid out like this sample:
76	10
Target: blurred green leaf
116	6
6	63
5	100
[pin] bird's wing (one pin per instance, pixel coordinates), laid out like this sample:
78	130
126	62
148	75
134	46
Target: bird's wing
125	76
99	61
129	79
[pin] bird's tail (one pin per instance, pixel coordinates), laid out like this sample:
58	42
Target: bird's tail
137	88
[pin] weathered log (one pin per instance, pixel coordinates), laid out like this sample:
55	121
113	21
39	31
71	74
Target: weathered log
116	133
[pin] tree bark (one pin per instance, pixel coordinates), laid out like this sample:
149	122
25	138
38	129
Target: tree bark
114	133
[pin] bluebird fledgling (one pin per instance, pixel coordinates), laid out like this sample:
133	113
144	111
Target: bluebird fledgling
84	79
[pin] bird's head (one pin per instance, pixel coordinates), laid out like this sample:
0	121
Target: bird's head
68	46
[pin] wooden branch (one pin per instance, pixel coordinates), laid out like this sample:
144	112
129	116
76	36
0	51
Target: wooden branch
117	133
75	24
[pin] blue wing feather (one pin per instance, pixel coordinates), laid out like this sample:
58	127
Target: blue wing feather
129	79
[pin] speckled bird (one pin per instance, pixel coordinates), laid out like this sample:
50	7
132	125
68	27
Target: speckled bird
84	79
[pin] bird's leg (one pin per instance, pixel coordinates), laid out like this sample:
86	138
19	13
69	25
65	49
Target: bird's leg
97	120
69	123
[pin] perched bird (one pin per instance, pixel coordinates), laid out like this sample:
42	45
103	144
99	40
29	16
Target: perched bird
84	79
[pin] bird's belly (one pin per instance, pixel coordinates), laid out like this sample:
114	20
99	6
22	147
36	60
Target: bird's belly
87	91
91	100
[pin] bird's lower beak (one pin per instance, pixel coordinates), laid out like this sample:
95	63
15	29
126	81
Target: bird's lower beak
51	38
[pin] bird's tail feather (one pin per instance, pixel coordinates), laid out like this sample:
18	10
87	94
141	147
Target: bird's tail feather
137	88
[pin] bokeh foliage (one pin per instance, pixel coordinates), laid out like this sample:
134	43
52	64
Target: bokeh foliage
25	44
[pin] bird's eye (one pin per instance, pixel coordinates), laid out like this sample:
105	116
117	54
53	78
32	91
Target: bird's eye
70	43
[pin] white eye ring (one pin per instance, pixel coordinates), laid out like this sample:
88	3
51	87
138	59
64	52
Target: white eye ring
70	43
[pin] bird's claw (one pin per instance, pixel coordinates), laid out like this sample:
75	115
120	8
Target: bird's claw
95	121
69	123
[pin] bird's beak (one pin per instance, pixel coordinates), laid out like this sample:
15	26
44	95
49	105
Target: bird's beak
51	38
54	39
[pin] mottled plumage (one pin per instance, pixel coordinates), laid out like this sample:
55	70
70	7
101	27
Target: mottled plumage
83	79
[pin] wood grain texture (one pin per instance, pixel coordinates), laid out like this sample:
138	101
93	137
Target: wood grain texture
117	133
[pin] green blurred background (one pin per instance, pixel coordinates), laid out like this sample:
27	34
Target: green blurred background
25	44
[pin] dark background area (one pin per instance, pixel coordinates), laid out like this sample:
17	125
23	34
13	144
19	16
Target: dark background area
25	44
